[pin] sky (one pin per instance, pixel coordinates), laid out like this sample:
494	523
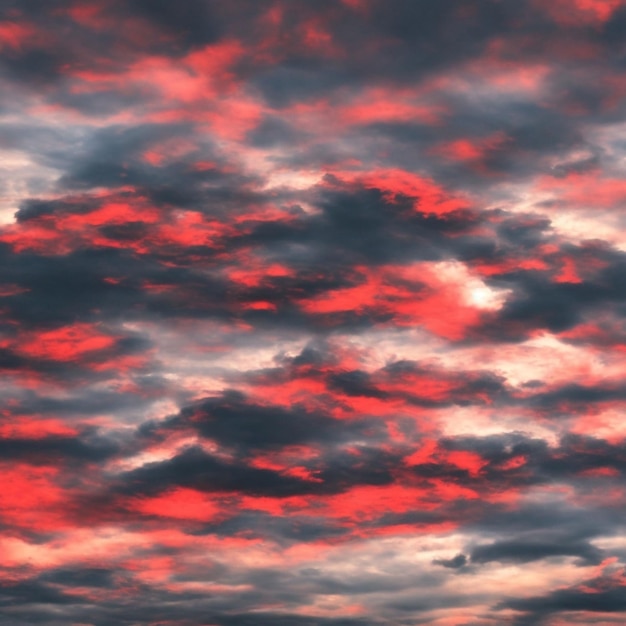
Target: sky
312	312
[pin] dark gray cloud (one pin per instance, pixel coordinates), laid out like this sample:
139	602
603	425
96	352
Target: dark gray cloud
234	422
527	551
196	469
58	449
456	562
190	24
538	609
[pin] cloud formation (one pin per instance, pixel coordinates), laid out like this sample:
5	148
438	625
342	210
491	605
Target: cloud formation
312	313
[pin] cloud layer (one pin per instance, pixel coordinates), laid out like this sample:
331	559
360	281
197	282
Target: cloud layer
312	313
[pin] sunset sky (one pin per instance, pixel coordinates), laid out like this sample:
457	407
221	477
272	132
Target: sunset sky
312	312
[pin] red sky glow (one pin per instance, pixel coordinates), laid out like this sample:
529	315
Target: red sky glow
312	313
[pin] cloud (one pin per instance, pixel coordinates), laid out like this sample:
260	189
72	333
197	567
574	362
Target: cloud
311	313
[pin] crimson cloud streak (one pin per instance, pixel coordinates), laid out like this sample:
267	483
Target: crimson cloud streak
312	312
